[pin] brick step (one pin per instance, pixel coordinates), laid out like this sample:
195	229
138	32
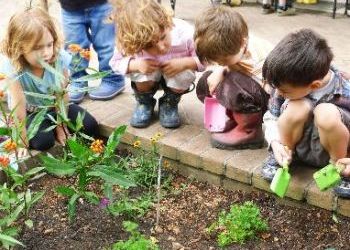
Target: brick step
189	151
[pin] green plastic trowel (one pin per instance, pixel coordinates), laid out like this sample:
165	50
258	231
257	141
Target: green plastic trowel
327	177
280	182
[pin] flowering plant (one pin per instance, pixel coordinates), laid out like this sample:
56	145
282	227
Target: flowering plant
89	164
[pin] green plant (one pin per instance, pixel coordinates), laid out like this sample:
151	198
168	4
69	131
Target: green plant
136	241
15	204
131	207
16	199
89	165
241	223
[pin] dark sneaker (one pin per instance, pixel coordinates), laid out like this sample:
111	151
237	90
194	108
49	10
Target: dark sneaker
74	92
267	9
269	167
107	90
343	189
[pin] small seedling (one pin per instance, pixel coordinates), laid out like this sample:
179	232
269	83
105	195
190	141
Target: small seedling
136	241
280	182
327	177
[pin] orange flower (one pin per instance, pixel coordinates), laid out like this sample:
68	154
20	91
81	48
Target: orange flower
2	93
85	53
74	48
4	161
97	146
10	146
2	76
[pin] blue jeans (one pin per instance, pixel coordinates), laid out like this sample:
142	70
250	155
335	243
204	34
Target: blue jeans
91	26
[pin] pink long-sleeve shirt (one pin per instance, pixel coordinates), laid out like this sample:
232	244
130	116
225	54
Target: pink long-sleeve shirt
182	45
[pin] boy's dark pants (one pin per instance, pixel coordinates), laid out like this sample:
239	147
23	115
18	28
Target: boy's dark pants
245	101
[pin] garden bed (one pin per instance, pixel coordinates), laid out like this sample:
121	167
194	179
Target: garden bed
188	209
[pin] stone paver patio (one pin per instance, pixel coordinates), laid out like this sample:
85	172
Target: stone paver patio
188	148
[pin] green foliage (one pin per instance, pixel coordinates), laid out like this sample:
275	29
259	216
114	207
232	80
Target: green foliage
241	223
88	166
15	204
136	241
131	207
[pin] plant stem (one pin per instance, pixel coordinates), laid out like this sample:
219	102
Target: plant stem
158	188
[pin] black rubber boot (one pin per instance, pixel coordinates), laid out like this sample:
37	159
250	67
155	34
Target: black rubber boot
143	112
168	109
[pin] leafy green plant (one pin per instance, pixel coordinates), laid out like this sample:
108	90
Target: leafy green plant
89	165
241	223
136	241
16	199
131	207
15	204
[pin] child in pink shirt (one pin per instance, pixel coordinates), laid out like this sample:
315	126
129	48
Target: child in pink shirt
154	49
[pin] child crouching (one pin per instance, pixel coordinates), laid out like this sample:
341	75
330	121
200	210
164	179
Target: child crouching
154	50
309	113
221	36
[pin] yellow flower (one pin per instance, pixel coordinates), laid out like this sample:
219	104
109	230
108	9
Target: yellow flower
2	76
158	135
166	164
4	161
154	140
97	146
74	48
137	144
10	146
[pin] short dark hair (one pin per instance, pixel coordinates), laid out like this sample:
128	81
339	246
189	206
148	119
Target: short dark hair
299	59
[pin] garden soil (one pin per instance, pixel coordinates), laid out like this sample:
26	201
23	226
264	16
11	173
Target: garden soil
184	216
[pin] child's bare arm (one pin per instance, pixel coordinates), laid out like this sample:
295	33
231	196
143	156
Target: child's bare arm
18	103
216	78
61	130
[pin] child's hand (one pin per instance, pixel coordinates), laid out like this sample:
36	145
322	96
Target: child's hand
344	162
145	66
282	154
345	75
173	67
215	79
22	152
62	134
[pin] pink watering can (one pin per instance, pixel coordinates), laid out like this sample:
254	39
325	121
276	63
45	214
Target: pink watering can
214	115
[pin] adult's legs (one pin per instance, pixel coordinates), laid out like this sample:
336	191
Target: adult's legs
76	31
103	41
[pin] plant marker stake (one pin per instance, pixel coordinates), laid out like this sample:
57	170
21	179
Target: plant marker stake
280	182
328	176
158	188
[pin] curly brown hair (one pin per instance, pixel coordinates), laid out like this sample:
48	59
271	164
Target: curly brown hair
219	31
140	23
24	31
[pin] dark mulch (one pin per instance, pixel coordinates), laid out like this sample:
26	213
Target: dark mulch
184	216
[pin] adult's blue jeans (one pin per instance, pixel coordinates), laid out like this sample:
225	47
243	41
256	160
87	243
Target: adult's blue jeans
91	26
